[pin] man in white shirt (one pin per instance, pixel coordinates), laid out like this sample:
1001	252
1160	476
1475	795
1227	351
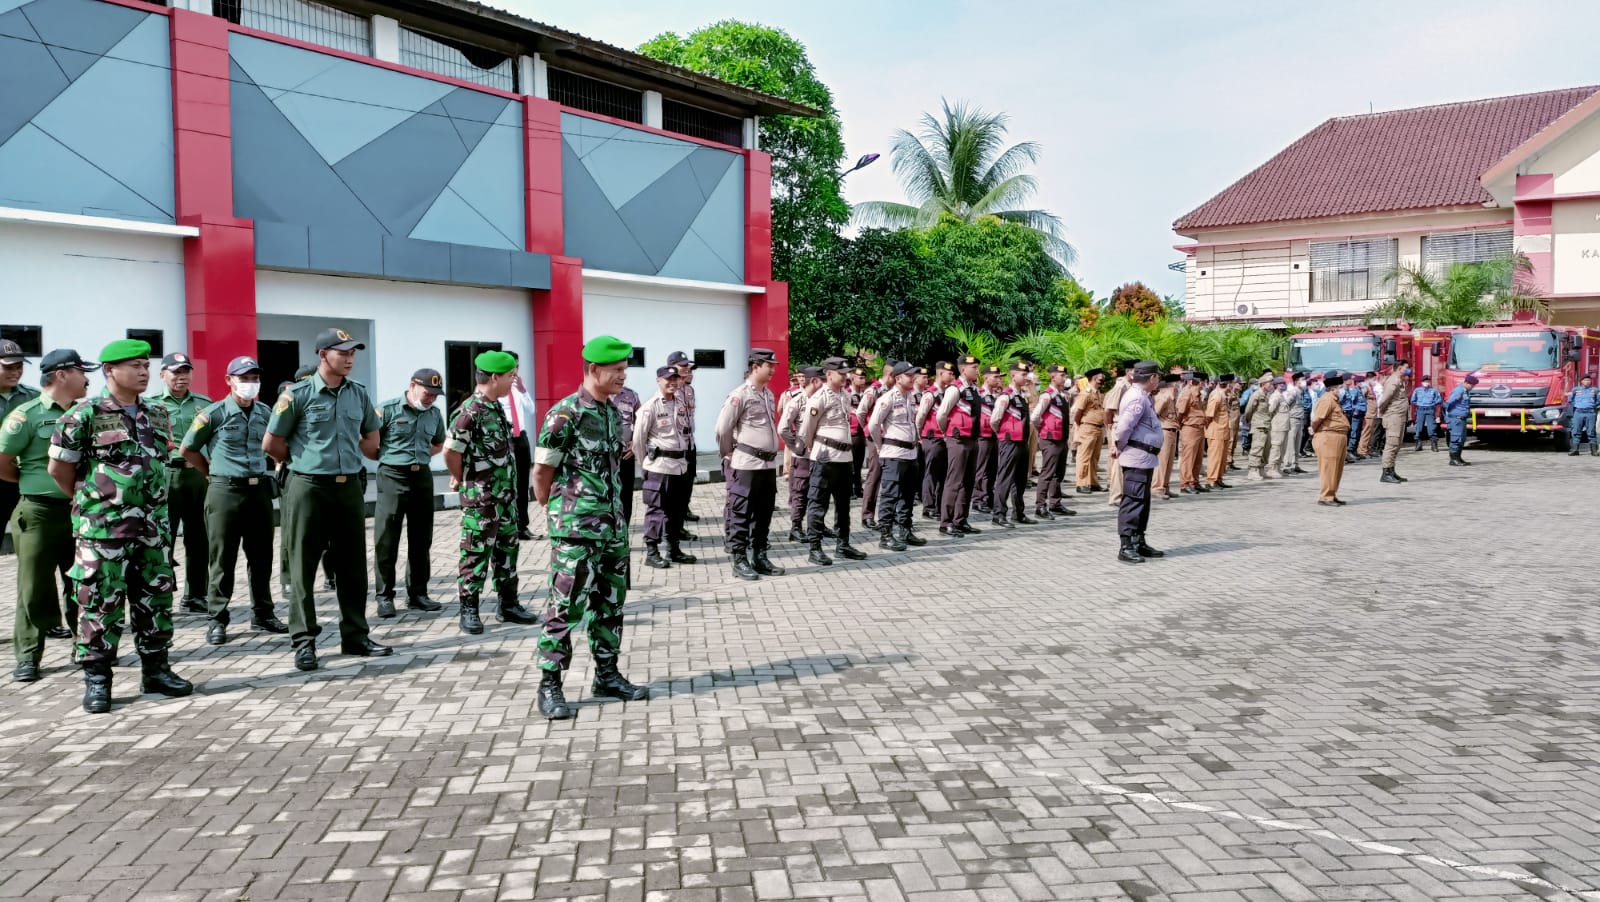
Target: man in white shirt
518	406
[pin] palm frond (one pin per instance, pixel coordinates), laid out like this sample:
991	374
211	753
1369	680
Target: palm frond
886	214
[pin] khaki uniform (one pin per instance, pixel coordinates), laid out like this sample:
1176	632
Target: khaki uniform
1279	409
1395	408
1369	423
1089	416
1112	401
1217	438
1330	438
1166	404
1191	436
1260	417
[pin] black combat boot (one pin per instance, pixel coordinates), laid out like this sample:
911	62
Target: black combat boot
910	538
679	556
1396	474
1144	549
868	522
1419	446
795	535
827	533
158	676
1594	450
653	558
1389	477
889	541
97	688
763	565
1129	554
552	704
610	683
471	623
846	550
742	568
817	556
1573	453
510	609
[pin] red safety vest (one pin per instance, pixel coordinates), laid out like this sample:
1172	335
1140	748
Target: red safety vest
1013	421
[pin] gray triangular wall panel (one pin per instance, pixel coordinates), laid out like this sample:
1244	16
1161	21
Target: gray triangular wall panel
593	230
659	215
709	166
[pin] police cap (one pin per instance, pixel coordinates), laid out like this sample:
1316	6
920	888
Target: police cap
65	359
903	367
668	372
836	364
11	352
678	358
763	355
243	364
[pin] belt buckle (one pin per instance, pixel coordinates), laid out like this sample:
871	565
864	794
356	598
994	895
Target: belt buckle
341	478
255	480
416	467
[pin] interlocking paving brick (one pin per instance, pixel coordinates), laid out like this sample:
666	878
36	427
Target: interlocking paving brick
1395	700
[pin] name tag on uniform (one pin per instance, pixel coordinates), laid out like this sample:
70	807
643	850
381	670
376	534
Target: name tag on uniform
111	437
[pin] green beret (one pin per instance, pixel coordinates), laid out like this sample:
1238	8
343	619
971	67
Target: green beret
496	362
605	349
125	349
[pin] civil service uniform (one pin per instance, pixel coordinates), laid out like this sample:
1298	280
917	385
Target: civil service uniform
1111	401
406	440
1089	416
1218	435
186	490
1394	408
1192	422
1330	437
1166	406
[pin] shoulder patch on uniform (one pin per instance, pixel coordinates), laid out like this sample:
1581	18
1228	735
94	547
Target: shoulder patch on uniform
378	411
14	423
813	411
199	422
283	403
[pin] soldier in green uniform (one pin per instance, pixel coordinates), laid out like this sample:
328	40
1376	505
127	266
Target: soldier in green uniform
480	458
186	488
577	475
412	432
324	425
108	453
223	445
42	530
13	394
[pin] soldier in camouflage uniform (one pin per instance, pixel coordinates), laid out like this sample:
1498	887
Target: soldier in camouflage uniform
577	476
108	453
478	453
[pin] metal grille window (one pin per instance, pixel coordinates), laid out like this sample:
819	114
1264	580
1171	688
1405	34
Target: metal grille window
457	59
1353	270
302	20
692	120
584	93
1440	252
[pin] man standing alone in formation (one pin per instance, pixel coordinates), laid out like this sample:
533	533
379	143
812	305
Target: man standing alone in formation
1394	408
1136	444
1330	436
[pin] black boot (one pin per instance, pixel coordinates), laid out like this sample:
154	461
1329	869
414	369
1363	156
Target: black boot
1396	474
552	704
910	538
679	556
158	676
1436	444
1061	510
1023	518
851	552
471	623
1455	460
827	533
1573	453
763	565
795	535
1594	450
868	522
510	609
610	683
1144	549
817	556
889	541
1389	477
1000	522
742	568
1419	446
96	688
653	558
1043	513
1128	553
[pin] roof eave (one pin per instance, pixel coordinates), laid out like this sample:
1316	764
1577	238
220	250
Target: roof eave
1506	168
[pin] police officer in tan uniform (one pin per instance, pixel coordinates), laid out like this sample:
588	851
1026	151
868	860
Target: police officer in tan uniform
1111	401
799	463
825	437
896	420
747	439
661	440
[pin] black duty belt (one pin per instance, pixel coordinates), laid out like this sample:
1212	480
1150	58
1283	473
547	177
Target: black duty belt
654	453
1146	448
328	479
177	463
404	468
757	453
894	442
241	481
837	446
47	500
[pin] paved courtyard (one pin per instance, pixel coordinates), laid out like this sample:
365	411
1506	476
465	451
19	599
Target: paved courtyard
1399	699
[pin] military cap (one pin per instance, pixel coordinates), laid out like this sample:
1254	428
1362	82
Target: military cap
944	366
1332	377
903	367
1471	379
242	364
606	349
923	371
967	360
1145	368
337	340
678	358
304	371
176	361
495	362
1057	368
1264	380
811	372
430	380
668	372
125	349
763	355
1021	366
1096	371
836	364
992	370
65	359
11	352
859	371
1168	378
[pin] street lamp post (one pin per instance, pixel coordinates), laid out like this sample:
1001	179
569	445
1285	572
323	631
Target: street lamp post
865	161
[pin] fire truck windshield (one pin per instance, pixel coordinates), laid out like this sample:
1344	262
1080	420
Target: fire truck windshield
1350	353
1531	350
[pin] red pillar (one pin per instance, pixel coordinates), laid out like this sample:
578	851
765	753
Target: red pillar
219	265
1533	226
769	312
557	312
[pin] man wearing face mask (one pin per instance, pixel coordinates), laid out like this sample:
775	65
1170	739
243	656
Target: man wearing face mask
1394	407
411	434
223	445
186	489
13	394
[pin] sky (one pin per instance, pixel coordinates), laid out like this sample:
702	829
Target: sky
1143	109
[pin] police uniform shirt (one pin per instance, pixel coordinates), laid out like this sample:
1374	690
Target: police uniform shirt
747	418
896	421
825	429
230	438
324	425
25	435
408	434
1112	399
662	424
789	425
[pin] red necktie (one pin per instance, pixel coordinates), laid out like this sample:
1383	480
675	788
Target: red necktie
516	420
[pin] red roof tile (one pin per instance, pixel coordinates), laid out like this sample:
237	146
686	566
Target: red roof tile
1412	159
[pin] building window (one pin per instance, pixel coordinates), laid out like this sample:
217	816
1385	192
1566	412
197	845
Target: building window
637	358
710	360
1353	270
584	93
457	59
154	337
29	338
459	383
1440	252
692	120
303	20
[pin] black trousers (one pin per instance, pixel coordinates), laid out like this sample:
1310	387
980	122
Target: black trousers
988	466
630	476
405	500
666	500
1011	477
858	457
752	497
897	490
1052	469
1133	514
933	460
523	463
10	494
239	514
799	491
830	483
960	469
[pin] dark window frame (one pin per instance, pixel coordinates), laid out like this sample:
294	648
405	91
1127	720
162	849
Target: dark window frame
30	338
156	338
455	392
708	359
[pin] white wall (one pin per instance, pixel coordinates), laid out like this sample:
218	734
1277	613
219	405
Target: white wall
665	319
86	288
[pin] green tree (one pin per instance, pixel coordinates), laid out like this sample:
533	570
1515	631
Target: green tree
878	298
1076	304
1465	295
958	165
995	275
1136	300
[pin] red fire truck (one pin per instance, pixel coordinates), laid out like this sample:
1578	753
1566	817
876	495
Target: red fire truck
1366	349
1525	368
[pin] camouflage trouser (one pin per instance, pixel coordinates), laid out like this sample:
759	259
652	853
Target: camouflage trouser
488	537
586	583
116	580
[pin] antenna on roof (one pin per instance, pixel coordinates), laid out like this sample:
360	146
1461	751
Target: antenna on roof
1369	107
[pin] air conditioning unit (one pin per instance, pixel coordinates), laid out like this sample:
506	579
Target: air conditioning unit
1244	309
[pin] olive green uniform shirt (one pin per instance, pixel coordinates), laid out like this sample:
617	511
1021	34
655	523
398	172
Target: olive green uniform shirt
408	434
19	396
181	412
324	426
230	436
26	436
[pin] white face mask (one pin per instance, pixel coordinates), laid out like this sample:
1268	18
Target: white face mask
247	391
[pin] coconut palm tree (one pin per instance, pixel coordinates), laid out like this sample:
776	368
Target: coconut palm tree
1464	295
959	165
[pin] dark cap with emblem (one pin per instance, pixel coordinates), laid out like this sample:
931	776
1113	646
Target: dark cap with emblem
923	371
966	360
1225	379
944	366
1169	378
904	367
811	372
176	361
430	380
240	365
1144	369
668	372
836	364
1056	368
992	370
11	352
763	355
304	371
1097	371
1472	379
337	340
65	359
678	358
1333	377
